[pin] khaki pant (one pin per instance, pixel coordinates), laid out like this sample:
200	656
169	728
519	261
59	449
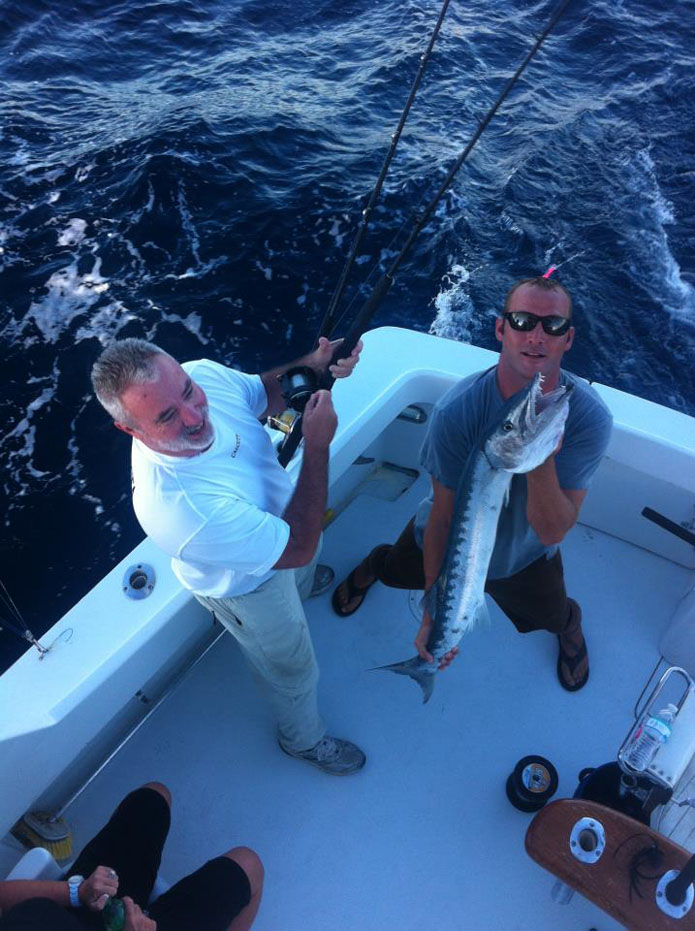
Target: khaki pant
270	627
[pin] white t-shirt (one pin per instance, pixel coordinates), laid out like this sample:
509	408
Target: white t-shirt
217	514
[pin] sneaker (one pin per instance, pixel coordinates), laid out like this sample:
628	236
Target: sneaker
323	580
332	755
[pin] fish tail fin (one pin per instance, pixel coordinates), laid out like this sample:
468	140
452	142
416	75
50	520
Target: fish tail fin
414	668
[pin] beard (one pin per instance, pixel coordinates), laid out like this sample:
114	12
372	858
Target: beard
193	440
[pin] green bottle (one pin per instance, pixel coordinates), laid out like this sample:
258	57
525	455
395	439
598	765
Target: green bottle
114	915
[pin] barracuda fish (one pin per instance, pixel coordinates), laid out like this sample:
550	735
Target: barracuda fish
528	431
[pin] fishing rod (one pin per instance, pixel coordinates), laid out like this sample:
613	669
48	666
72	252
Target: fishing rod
381	288
329	322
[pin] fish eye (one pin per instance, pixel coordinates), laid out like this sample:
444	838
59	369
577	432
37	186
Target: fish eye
507	426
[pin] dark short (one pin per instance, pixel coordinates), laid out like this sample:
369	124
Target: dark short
207	900
533	599
132	843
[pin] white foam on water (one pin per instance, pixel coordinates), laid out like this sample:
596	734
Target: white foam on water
141	268
69	295
301	300
82	172
105	323
193	322
266	269
10	237
334	231
651	262
201	270
508	222
154	245
74	466
455	316
188	224
19	443
74	233
135	216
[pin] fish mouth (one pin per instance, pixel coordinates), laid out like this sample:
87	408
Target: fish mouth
530	430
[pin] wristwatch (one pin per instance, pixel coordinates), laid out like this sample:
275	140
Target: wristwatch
74	883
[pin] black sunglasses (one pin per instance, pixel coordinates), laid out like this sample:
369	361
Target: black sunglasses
525	321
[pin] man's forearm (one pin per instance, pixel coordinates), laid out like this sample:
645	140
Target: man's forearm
306	509
434	549
548	509
14	891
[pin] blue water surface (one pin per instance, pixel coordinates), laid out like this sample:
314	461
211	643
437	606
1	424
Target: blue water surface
193	173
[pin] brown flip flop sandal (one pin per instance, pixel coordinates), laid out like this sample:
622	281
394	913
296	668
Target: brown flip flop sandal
571	661
353	591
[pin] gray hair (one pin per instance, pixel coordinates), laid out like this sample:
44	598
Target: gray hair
123	363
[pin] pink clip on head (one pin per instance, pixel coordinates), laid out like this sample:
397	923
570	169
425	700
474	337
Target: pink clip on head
550	271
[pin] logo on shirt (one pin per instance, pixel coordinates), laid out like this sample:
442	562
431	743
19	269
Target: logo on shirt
237	444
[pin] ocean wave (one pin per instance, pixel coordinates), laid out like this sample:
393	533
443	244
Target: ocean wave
195	174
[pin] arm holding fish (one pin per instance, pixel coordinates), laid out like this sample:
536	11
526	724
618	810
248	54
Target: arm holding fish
434	550
557	488
552	511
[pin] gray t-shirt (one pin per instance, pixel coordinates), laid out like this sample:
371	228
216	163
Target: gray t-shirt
464	415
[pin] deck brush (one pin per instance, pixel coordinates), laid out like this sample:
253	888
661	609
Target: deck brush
42	829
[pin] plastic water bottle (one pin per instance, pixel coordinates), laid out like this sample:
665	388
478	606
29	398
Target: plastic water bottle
113	915
654	731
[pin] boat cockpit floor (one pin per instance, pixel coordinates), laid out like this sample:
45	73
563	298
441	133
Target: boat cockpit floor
424	837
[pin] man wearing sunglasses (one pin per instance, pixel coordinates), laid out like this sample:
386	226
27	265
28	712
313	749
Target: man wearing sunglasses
525	577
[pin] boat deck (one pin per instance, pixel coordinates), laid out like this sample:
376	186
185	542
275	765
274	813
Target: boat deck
424	837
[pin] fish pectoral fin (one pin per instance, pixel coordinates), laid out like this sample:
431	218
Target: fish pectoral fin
476	616
416	668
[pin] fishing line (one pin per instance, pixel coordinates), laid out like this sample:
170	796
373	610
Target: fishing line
379	267
329	323
293	438
17	625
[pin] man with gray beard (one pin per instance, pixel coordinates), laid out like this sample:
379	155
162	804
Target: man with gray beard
208	490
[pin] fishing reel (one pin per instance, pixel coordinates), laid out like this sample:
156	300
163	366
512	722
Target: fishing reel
297	385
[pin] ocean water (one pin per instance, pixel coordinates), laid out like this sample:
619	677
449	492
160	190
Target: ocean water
193	172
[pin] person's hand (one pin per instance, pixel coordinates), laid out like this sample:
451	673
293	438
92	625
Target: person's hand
448	658
548	463
135	918
422	639
319	421
322	355
98	888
